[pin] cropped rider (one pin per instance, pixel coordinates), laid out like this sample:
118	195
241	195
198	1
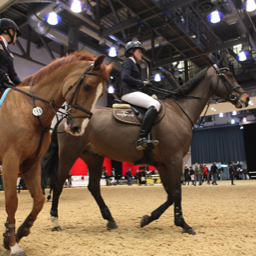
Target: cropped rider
131	92
9	32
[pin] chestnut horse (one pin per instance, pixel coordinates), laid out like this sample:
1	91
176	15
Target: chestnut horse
25	118
105	137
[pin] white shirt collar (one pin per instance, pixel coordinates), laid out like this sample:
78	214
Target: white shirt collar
5	42
133	59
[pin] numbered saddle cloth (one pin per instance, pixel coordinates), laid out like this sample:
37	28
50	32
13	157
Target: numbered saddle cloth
134	115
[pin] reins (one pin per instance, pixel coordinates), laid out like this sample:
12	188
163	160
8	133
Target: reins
232	97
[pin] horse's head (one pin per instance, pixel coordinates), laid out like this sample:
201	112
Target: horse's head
82	89
228	88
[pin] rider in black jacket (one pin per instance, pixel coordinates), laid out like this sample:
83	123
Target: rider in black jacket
8	35
131	92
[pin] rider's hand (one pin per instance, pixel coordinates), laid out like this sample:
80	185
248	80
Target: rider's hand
147	83
4	78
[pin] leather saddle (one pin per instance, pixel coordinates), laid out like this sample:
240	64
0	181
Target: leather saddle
130	114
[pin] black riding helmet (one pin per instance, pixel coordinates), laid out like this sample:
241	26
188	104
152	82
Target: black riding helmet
5	24
133	45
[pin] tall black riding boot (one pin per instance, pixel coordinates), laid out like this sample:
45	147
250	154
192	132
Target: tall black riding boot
143	142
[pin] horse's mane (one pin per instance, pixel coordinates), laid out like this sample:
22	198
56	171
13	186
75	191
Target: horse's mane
45	71
191	83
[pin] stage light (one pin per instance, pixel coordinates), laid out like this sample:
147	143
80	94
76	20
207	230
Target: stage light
241	127
221	114
77	6
232	121
234	113
215	16
157	77
250	5
111	89
112	51
52	18
244	120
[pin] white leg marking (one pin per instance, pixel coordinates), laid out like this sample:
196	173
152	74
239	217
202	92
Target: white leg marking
16	249
55	221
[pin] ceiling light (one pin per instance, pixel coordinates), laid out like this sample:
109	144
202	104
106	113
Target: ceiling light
232	121
250	5
233	113
157	77
241	127
242	55
221	114
111	89
52	18
215	16
244	120
77	6
112	52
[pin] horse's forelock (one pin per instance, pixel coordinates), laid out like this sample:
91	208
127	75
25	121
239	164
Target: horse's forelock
45	71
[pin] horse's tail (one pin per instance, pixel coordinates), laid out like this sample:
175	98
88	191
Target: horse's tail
50	162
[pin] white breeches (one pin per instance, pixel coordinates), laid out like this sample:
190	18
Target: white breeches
141	99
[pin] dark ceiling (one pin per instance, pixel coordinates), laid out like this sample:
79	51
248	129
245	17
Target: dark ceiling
171	31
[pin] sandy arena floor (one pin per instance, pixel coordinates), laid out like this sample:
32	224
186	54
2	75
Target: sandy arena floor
223	216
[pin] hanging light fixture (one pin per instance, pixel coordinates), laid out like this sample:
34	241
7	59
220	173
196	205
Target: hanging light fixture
221	114
245	53
244	120
215	16
250	5
111	89
234	113
52	18
157	77
112	51
232	121
76	6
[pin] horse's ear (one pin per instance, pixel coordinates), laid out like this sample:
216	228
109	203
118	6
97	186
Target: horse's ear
110	66
99	61
220	61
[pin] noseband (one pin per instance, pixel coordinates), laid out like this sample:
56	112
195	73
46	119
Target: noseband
78	84
233	97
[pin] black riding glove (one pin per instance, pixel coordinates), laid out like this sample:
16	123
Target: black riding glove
4	78
147	83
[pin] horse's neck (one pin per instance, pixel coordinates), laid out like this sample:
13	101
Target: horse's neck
194	106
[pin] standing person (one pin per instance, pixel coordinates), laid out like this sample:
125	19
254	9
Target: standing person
205	173
106	177
142	179
129	177
186	174
113	176
9	32
137	176
214	171
232	172
70	180
131	92
196	173
200	174
192	175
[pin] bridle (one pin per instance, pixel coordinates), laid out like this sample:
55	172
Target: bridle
78	84
233	97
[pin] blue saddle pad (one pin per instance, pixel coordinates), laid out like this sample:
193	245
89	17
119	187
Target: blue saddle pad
4	96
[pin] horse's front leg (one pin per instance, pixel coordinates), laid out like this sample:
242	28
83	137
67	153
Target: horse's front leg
32	178
10	174
95	166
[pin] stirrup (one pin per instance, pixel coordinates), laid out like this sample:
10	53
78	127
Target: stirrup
143	143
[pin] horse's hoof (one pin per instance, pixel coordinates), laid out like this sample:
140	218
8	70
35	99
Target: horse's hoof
189	231
21	253
144	221
111	225
48	198
57	228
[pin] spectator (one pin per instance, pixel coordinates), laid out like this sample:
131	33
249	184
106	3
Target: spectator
232	172
186	174
205	174
214	171
106	177
197	175
129	177
192	175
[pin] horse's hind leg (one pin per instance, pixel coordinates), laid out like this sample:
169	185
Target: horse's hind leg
10	173
32	179
95	166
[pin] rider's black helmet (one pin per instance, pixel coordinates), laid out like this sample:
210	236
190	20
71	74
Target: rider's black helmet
5	24
133	45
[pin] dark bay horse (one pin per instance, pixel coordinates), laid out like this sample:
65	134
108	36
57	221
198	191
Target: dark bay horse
245	172
25	118
105	136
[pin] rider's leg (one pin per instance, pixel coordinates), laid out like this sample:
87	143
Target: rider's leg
143	100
